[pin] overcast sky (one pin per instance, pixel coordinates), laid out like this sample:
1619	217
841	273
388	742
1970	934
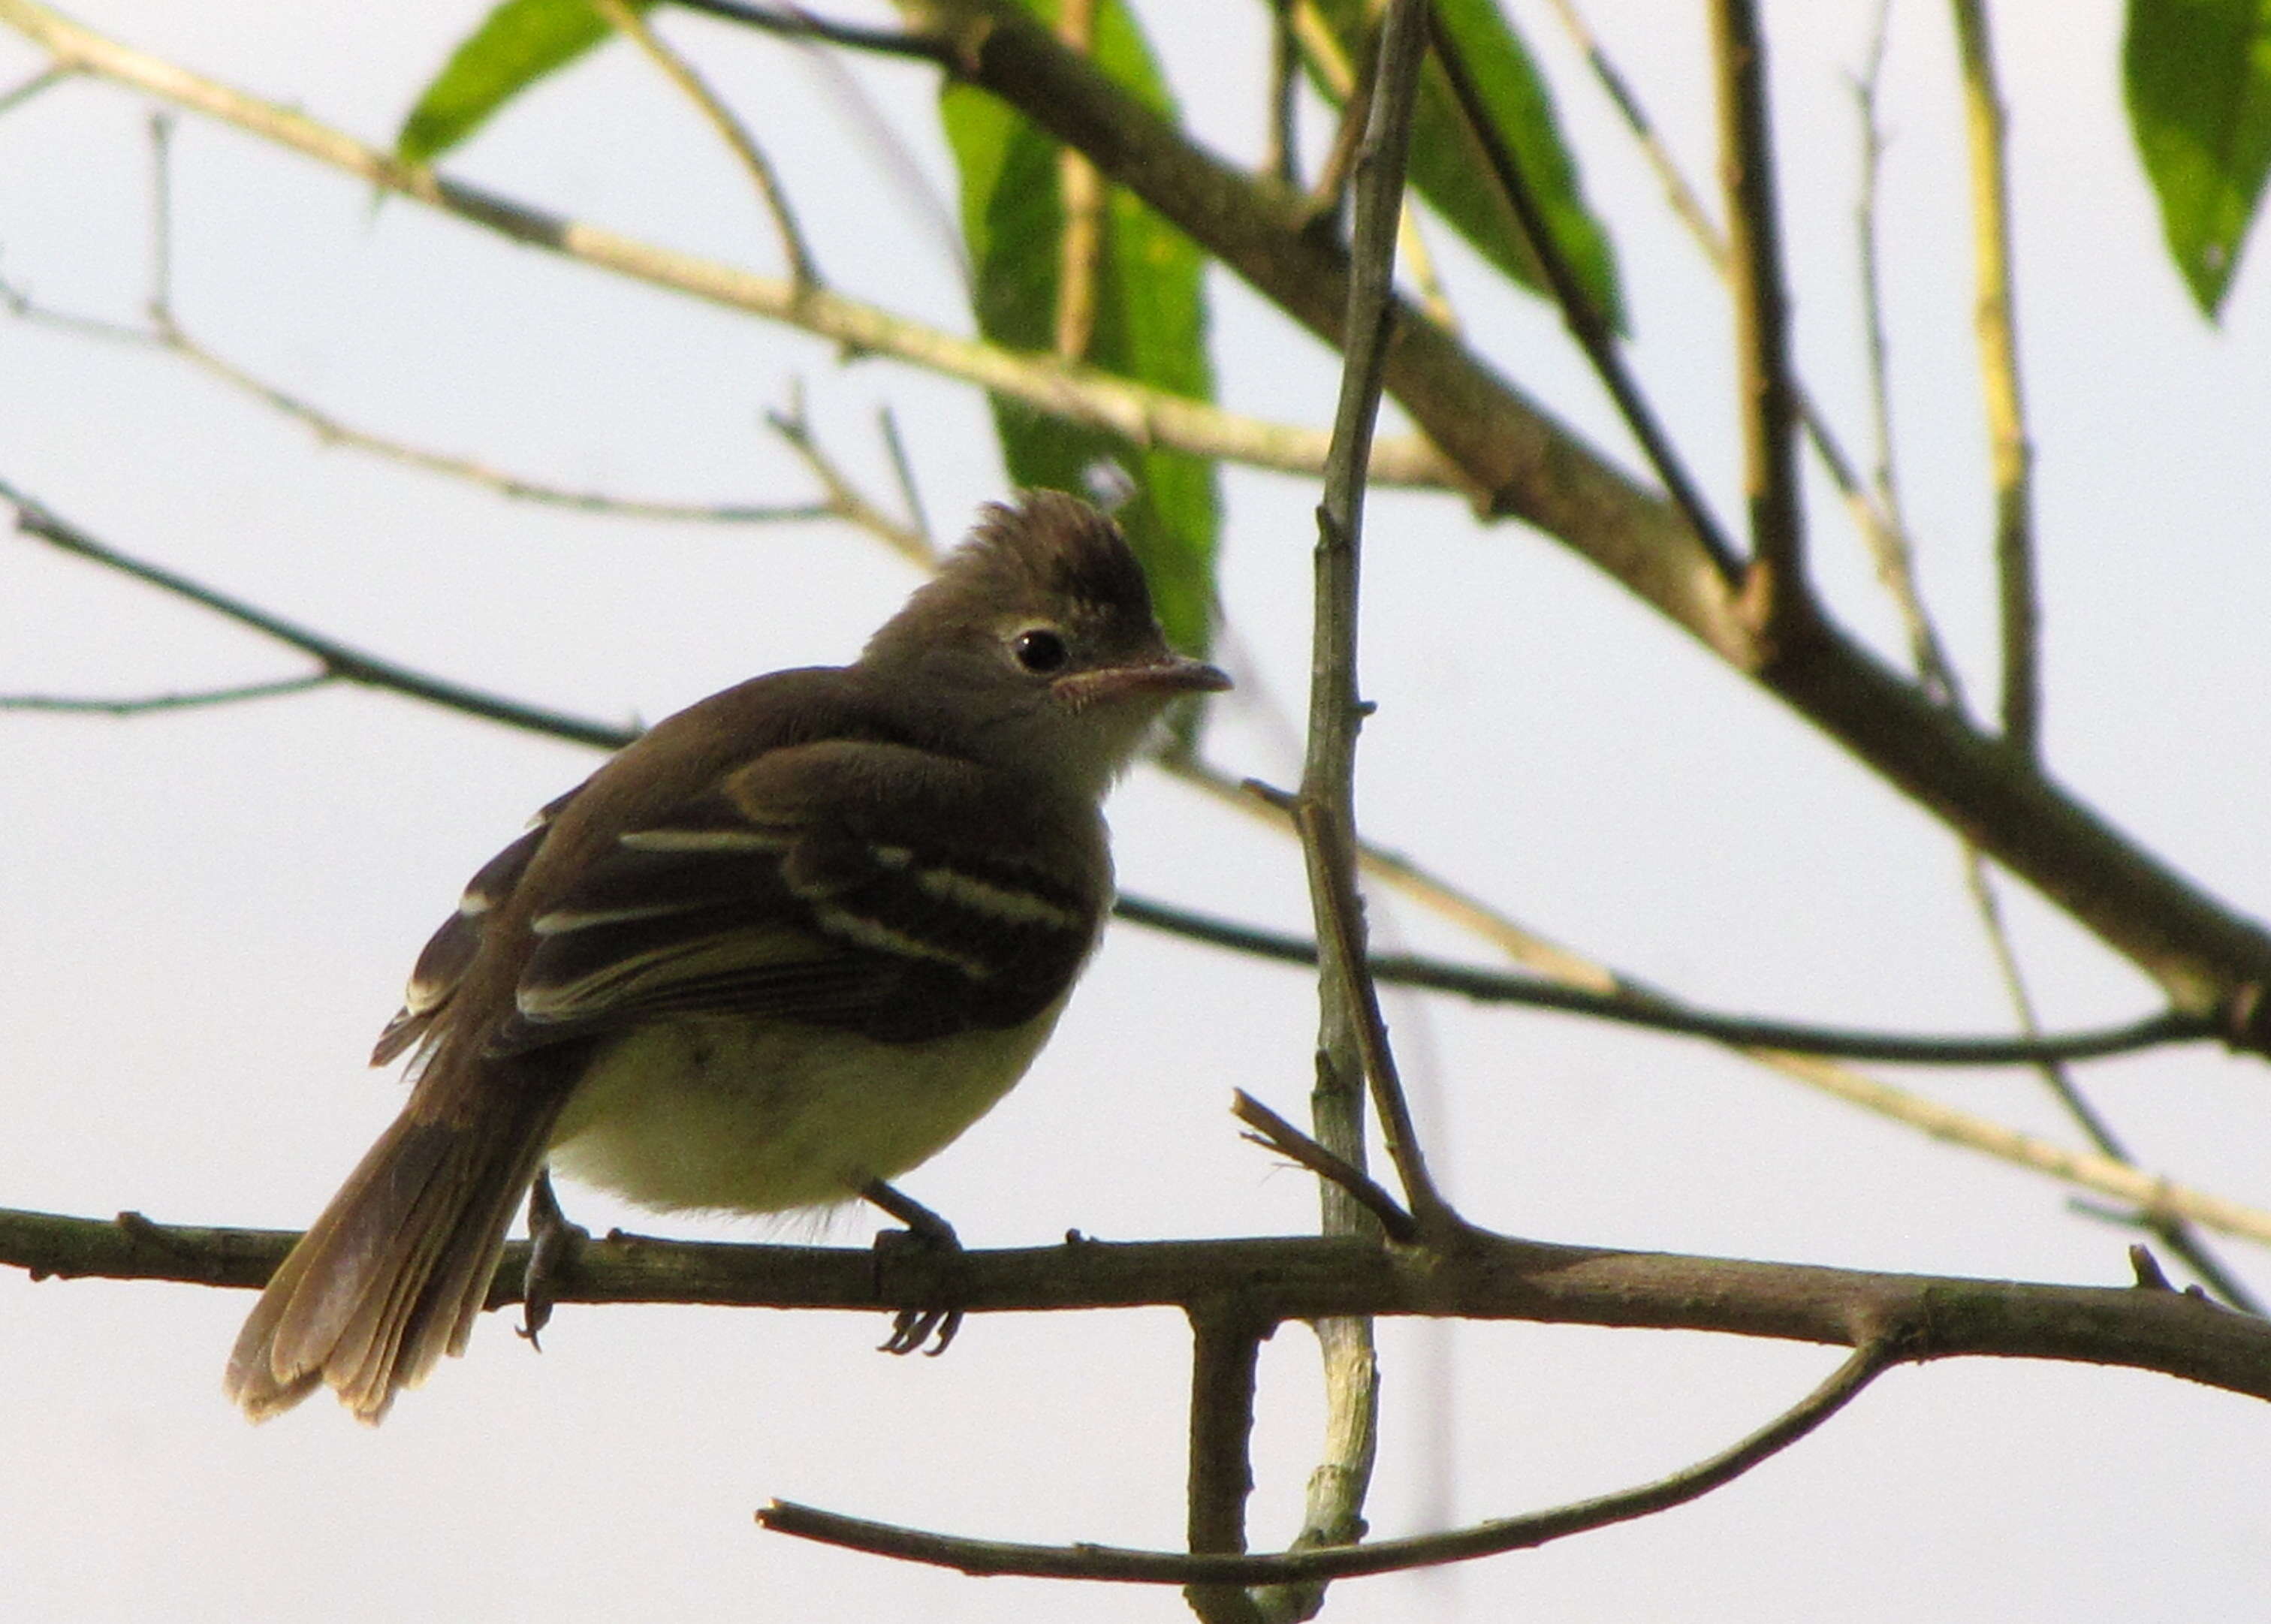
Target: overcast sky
205	917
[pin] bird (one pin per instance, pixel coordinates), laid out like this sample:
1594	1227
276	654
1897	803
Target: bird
785	946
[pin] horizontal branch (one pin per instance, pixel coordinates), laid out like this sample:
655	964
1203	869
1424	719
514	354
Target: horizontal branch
1480	1277
1486	986
337	658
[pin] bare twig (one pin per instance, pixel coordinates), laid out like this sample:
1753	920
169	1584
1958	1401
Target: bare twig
1587	324
1515	1533
337	658
1281	139
1318	47
1880	527
628	21
1484	986
1350	1052
166	335
1999	367
1350	1009
1684	199
887	423
796	23
16	95
1884	529
1776	591
845	500
1274	1132
148	704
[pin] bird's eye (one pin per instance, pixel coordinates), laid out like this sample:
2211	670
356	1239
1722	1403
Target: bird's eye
1041	650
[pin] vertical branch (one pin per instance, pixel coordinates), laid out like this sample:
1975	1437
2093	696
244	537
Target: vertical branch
1280	142
1997	322
1883	526
1776	591
1225	1346
1080	189
1682	197
1338	1489
1336	712
160	304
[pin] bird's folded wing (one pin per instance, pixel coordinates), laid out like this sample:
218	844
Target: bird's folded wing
852	885
450	952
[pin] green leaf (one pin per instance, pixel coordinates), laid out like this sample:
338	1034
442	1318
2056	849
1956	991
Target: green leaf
2198	76
516	44
1447	165
1150	321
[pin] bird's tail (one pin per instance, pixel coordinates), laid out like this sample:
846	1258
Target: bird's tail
394	1272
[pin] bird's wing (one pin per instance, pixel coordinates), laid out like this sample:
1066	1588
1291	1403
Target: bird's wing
450	952
843	883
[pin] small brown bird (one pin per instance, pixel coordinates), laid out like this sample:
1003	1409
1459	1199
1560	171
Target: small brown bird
788	944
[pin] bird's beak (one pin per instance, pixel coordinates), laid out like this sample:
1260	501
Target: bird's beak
1164	678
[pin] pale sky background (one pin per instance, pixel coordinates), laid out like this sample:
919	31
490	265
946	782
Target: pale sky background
205	917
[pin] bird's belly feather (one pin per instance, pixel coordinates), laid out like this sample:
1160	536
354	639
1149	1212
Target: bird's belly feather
709	1113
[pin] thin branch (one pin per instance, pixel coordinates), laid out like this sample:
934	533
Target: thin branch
1274	1132
1493	1539
1349	1017
796	23
1322	200
167	335
845	500
1998	366
1587	324
1351	1051
1321	48
17	95
337	658
887	422
627	20
146	704
1281	138
1684	201
1776	591
2172	1231
331	430
1486	986
1884	530
1881	527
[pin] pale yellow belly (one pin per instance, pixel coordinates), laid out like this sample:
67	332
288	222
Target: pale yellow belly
705	1113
